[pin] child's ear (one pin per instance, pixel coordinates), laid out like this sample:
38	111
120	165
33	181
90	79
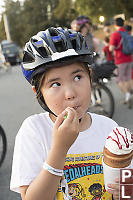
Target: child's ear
34	90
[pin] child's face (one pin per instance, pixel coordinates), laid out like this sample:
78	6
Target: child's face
84	31
67	86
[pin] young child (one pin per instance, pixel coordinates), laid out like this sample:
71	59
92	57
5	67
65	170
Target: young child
108	54
58	153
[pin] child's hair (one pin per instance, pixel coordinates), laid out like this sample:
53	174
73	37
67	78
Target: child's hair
106	29
106	39
119	21
128	27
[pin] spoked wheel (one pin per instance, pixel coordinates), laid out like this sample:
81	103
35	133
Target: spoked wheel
102	101
3	145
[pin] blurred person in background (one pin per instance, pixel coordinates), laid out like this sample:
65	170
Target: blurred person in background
107	30
107	53
85	26
122	61
74	25
129	29
3	63
83	29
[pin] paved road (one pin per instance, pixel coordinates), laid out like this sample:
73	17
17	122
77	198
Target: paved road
17	102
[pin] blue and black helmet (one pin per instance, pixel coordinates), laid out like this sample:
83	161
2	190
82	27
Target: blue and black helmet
50	48
54	46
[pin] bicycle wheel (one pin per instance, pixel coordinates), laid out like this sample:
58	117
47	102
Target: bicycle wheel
3	145
102	101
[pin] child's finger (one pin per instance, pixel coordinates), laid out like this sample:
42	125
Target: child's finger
113	186
114	190
70	114
115	193
60	119
117	180
75	119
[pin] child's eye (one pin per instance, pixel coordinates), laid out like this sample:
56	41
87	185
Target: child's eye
55	84
77	78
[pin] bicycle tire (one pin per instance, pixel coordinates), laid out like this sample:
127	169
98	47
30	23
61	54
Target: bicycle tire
3	145
107	105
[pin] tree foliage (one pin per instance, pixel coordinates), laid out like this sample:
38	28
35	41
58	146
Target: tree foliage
13	12
94	9
126	6
2	30
27	19
64	13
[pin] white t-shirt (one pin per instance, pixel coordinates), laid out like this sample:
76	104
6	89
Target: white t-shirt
83	161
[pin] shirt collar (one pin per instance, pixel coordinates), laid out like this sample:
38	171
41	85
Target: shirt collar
121	29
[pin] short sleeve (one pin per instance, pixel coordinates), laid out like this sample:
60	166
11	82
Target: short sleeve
114	39
28	156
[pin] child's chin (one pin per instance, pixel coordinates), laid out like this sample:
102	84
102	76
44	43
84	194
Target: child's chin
81	115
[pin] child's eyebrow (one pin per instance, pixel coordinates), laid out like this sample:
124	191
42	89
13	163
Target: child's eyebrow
53	80
57	79
78	70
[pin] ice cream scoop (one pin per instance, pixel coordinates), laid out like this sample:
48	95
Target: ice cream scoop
120	141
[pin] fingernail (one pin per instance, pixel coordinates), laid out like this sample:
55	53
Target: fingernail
68	107
64	112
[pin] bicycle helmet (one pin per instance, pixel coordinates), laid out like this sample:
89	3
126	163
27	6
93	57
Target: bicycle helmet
83	20
50	48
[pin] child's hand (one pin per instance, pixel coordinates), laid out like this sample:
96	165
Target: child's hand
114	189
66	129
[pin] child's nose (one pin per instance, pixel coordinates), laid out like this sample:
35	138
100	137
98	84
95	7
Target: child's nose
69	93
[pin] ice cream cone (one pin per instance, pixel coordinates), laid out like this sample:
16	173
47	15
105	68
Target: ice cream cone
117	153
117	161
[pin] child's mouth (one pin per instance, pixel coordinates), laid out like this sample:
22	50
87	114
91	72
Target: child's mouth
76	107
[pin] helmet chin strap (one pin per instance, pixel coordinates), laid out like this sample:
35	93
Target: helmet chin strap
80	120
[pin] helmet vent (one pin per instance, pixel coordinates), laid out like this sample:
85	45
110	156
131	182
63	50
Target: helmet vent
28	58
53	32
60	46
30	49
33	40
73	44
81	41
43	52
54	47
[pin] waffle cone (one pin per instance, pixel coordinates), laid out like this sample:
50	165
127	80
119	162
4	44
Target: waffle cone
117	161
